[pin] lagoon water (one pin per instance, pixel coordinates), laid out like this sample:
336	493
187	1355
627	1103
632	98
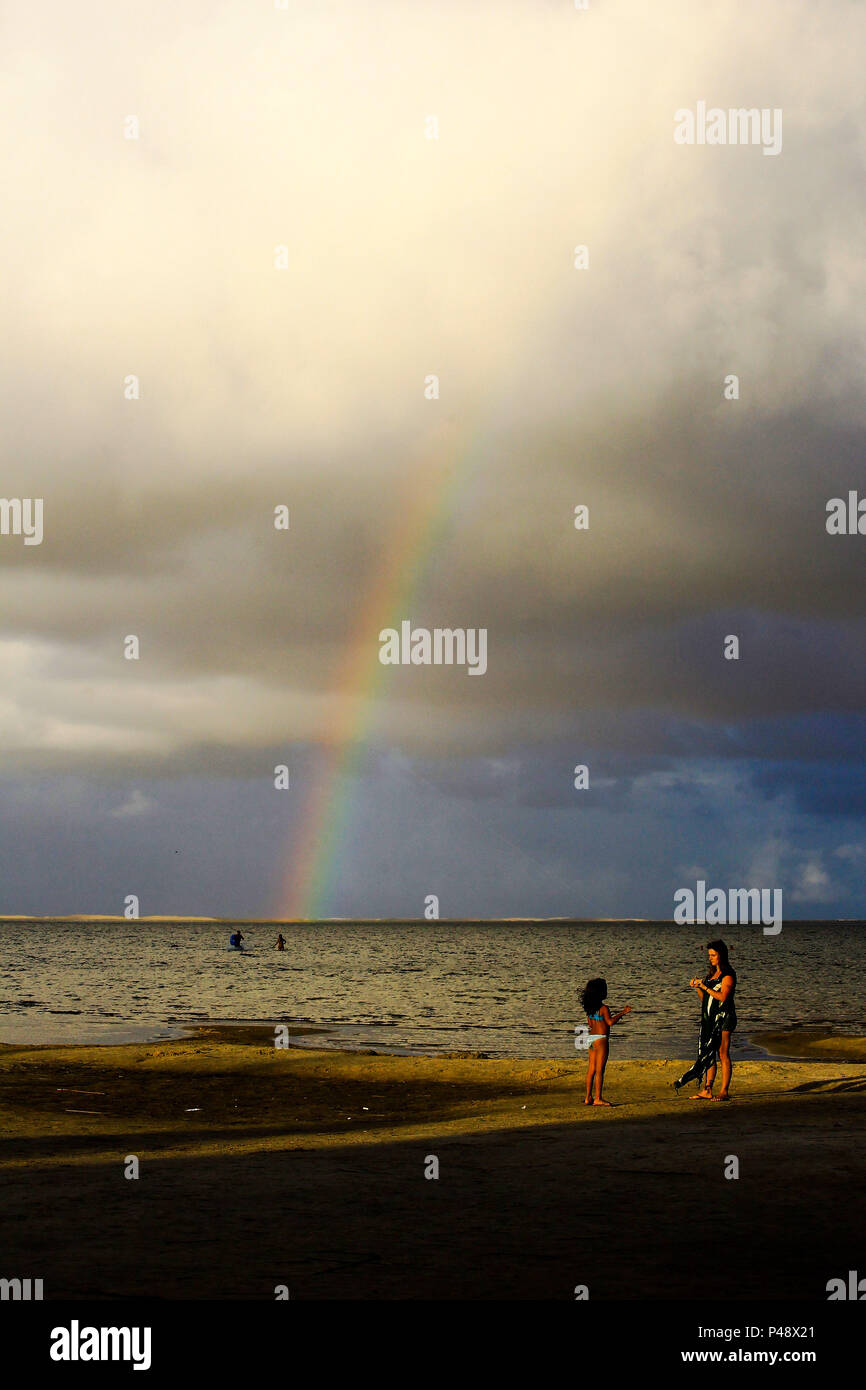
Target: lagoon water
504	988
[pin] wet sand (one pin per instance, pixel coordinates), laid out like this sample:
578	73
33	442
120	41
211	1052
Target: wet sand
813	1044
262	1166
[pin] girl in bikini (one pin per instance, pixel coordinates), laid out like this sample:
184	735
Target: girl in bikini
599	1019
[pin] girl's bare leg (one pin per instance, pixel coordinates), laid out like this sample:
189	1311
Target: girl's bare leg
603	1048
590	1075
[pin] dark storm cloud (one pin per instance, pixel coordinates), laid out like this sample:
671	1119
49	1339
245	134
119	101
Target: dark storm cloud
819	789
408	257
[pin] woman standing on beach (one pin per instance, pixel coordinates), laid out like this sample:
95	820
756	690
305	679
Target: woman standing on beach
718	1021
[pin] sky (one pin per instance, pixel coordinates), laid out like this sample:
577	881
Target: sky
283	258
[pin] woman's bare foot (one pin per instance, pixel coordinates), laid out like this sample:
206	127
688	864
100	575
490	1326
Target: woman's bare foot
588	1101
723	1095
601	1102
702	1095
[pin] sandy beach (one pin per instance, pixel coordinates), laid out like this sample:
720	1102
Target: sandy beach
262	1166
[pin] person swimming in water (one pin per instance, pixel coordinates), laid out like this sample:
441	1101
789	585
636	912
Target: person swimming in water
235	940
280	943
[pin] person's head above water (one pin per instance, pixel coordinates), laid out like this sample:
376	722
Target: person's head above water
594	995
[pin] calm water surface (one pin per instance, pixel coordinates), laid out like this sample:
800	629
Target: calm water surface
508	989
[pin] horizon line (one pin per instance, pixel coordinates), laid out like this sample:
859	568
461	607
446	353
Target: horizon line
359	921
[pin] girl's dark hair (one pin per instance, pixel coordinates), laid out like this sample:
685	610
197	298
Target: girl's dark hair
594	995
724	963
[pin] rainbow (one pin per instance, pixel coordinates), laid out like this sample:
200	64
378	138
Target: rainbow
417	526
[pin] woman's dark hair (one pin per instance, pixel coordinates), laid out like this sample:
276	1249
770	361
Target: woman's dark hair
724	963
594	995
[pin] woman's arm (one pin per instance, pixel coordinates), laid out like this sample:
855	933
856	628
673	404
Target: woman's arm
722	992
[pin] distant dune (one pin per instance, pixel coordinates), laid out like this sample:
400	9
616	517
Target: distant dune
337	921
301	921
101	917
